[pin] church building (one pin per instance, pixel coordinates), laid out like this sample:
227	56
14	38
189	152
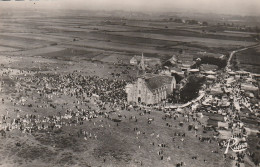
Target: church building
150	89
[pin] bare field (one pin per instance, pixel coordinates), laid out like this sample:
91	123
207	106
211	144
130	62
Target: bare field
204	41
8	49
249	60
114	34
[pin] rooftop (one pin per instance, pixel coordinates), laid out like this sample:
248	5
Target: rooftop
156	81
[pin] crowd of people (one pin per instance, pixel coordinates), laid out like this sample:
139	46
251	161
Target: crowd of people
47	86
93	97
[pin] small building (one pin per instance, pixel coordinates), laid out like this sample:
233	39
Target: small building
150	89
243	73
146	61
214	120
185	67
171	62
134	61
166	72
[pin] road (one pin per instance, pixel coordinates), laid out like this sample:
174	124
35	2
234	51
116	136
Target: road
233	164
235	51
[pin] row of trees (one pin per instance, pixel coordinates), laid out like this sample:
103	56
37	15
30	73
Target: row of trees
189	92
178	20
221	63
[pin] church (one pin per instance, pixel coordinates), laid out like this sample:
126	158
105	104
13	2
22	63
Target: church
150	89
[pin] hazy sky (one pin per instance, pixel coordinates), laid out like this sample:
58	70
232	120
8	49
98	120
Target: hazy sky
243	7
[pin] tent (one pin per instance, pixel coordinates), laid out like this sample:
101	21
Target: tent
248	87
230	80
212	77
194	70
210	72
216	90
232	73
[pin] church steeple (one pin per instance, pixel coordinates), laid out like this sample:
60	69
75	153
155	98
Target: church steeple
141	66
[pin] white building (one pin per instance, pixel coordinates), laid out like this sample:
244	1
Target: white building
150	89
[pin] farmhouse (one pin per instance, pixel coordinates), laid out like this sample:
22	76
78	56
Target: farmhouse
151	61
150	89
170	71
134	61
171	62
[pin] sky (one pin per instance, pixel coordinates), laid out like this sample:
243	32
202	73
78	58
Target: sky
241	7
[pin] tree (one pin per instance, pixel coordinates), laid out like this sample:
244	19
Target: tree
191	89
178	20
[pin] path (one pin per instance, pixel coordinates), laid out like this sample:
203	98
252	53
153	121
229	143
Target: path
235	51
233	164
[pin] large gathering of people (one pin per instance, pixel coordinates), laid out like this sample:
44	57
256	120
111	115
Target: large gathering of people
93	99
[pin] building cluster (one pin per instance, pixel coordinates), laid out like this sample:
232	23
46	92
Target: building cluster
149	88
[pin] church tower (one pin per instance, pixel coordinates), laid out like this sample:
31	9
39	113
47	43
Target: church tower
141	67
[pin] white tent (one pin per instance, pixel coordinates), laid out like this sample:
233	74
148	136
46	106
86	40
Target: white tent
210	72
249	87
212	77
194	70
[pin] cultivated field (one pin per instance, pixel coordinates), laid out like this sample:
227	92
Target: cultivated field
249	60
111	34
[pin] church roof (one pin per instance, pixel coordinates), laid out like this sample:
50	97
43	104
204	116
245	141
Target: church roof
156	82
173	60
175	69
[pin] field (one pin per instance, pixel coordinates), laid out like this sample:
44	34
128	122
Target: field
249	60
111	35
114	146
254	143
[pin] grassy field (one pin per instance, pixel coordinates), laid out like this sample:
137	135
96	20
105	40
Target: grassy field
249	60
118	145
113	34
254	144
